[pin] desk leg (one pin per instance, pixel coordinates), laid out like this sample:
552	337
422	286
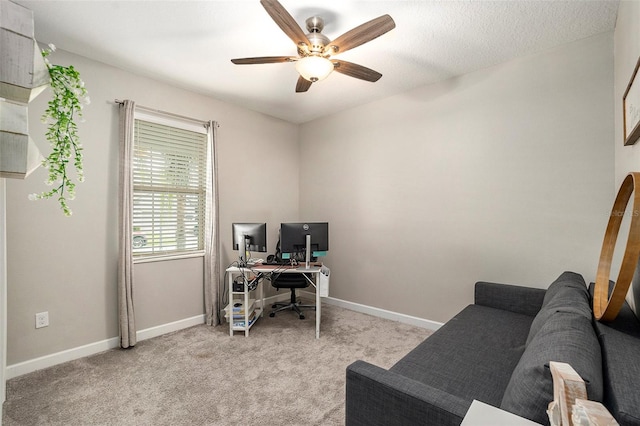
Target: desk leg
318	306
230	293
261	285
246	311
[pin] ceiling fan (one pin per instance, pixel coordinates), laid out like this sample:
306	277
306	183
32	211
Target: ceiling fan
314	61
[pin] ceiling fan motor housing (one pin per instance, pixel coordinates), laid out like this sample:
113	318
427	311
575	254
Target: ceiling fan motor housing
317	40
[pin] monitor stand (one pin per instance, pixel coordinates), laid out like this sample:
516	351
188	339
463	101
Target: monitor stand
243	253
307	255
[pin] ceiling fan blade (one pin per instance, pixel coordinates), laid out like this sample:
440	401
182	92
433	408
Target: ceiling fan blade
263	60
355	70
361	34
285	21
302	85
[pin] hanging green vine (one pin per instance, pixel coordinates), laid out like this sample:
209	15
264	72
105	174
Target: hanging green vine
65	107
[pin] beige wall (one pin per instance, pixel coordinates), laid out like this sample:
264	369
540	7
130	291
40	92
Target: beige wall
503	175
627	158
67	266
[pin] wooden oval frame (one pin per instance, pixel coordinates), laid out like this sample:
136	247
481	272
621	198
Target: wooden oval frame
605	307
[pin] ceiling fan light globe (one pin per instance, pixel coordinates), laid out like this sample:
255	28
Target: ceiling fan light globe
314	68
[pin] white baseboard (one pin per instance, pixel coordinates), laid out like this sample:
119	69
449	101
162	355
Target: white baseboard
32	365
35	364
377	312
148	333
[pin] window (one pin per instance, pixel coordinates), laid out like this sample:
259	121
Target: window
169	186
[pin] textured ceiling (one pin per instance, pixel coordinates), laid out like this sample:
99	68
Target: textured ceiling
190	43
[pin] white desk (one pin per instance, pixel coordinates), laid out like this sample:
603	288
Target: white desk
314	271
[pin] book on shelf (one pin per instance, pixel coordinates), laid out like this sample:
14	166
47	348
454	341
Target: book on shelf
238	316
241	322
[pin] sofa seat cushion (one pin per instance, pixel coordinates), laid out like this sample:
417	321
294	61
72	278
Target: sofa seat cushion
621	376
472	355
564	337
620	342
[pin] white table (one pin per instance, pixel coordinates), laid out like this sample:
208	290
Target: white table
314	271
481	414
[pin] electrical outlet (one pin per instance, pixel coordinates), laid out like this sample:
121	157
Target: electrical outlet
42	319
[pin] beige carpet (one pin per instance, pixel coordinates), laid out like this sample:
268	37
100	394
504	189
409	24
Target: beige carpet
279	375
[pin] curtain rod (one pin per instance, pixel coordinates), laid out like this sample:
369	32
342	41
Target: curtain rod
195	120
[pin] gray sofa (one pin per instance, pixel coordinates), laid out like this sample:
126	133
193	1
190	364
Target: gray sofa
498	351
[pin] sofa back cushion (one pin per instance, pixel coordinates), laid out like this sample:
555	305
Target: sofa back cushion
564	337
569	294
566	279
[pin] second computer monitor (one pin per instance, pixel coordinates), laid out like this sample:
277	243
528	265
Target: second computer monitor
248	237
293	238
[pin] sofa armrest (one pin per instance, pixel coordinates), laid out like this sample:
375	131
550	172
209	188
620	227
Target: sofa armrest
521	300
378	397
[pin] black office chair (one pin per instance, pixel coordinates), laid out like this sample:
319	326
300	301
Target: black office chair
290	281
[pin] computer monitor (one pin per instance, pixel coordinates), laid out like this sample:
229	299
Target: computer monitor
310	238
249	237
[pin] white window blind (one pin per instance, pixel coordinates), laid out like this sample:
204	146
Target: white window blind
169	185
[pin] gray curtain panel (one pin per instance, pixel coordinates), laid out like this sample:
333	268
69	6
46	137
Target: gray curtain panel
125	258
211	238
